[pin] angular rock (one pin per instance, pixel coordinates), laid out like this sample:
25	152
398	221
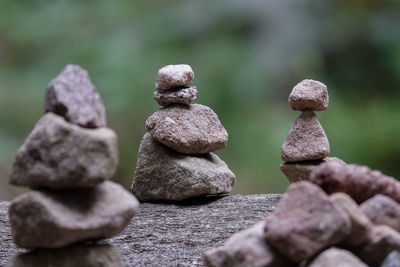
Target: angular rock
392	260
335	257
381	242
305	222
73	96
382	210
360	224
176	96
246	248
309	95
56	218
301	171
59	154
306	140
163	174
173	76
188	129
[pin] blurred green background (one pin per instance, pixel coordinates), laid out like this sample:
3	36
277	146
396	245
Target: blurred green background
246	55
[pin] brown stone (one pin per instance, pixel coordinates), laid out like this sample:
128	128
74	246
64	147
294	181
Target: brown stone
309	95
176	96
335	257
173	76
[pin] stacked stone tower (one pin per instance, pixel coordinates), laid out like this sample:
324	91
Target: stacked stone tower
175	160
68	159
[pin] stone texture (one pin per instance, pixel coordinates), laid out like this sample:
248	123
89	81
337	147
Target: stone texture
382	210
306	140
246	248
56	218
188	129
360	224
359	182
163	174
305	222
309	95
176	96
382	241
301	171
335	257
173	76
392	260
73	96
59	154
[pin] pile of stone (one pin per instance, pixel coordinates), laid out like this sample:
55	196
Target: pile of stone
68	159
175	160
306	146
310	228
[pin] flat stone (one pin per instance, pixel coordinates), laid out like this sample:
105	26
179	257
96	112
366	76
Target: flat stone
360	224
173	76
301	171
73	96
382	210
188	129
164	174
185	96
58	154
335	257
246	248
305	222
56	218
306	140
309	95
392	260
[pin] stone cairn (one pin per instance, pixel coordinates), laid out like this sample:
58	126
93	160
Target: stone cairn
68	159
175	160
306	145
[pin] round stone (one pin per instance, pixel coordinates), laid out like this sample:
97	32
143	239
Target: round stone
309	95
173	76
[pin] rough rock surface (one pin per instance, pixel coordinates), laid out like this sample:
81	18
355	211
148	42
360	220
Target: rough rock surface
73	96
382	210
188	129
359	182
59	154
309	95
164	174
335	257
305	222
306	140
360	224
246	248
392	260
301	171
55	218
172	234
173	76
176	96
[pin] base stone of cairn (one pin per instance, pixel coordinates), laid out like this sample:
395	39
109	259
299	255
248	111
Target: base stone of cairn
175	160
69	166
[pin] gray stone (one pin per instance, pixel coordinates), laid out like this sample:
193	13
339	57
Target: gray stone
188	129
59	154
306	140
301	171
382	210
360	224
335	257
392	260
305	222
246	248
185	96
173	76
164	174
309	95
73	96
56	218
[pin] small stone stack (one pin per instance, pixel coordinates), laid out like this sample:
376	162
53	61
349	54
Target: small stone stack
68	159
306	146
175	160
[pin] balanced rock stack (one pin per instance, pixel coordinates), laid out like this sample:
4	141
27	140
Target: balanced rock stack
306	146
175	160
68	159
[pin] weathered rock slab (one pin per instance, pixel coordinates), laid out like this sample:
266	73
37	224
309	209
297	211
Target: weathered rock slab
173	76
176	96
309	95
335	257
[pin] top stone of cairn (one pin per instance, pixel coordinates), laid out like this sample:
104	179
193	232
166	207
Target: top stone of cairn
173	76
309	95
